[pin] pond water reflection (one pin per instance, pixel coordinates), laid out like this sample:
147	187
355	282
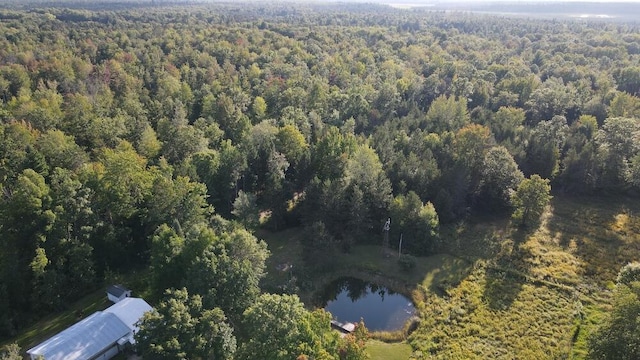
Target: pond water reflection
349	299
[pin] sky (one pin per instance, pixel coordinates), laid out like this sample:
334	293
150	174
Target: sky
428	2
481	1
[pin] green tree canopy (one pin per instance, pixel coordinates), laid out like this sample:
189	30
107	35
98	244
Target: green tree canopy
500	177
246	210
227	273
530	199
279	327
618	337
447	114
416	221
10	352
180	328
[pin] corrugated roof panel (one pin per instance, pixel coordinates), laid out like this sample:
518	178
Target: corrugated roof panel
130	310
84	339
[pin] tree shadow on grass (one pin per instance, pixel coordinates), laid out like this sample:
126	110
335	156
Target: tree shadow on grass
449	273
501	288
521	233
603	231
507	274
498	241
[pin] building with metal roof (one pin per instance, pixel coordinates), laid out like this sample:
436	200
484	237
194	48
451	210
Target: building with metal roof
129	311
117	293
102	335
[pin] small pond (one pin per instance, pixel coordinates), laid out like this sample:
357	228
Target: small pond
349	299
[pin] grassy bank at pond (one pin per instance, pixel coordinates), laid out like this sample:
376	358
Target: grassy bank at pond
384	351
366	262
432	274
504	291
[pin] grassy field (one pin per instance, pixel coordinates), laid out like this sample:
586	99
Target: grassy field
498	291
382	351
55	323
432	274
533	294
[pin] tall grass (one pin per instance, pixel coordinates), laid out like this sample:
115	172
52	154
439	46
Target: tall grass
497	291
531	295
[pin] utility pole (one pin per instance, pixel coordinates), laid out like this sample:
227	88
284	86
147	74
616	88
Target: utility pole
400	246
386	228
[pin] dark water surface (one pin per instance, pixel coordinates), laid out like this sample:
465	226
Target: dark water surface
350	299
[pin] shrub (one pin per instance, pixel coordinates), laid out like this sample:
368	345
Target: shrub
407	262
629	273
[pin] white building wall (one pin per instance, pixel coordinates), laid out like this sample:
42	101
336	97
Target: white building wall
109	353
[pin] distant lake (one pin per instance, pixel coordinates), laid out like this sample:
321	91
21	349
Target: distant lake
349	299
604	11
409	5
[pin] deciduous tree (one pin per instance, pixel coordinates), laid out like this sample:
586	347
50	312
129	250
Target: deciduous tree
246	210
618	337
416	221
227	273
181	328
530	200
500	177
11	352
279	327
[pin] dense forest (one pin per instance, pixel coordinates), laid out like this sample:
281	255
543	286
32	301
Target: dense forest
161	137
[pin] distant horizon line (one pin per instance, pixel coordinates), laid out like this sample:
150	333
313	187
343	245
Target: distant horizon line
439	2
